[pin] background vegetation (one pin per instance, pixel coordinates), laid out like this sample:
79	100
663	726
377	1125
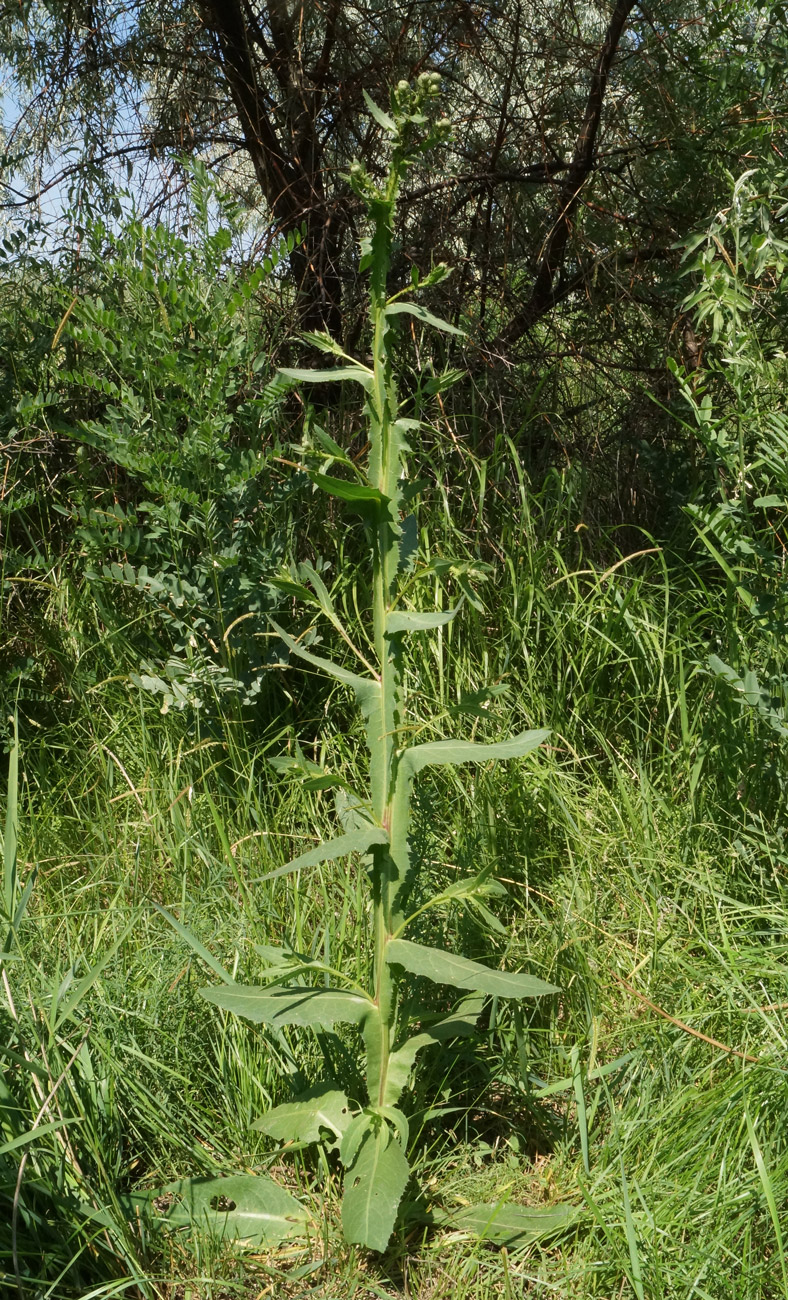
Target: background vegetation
606	465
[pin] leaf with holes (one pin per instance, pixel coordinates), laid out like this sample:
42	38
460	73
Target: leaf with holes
308	1117
243	1207
373	1190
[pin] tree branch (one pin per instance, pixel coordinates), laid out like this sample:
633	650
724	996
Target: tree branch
554	248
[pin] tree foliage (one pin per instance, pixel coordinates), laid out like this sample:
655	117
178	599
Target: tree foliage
589	138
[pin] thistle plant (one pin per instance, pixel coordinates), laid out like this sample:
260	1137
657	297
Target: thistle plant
372	1139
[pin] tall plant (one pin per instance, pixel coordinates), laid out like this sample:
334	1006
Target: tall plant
372	1139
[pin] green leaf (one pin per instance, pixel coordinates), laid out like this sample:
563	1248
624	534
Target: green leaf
357	841
244	1207
462	1024
354	1135
333	448
466	751
322	340
195	944
336	373
426	317
33	1134
373	1190
380	117
460	973
305	1119
290	1006
10	833
508	1225
367	690
358	494
406	621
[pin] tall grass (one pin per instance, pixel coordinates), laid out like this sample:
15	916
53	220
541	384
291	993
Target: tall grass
645	868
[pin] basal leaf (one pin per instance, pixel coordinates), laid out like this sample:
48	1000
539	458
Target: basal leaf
508	1225
455	752
460	973
358	841
318	1007
306	1118
373	1190
358	373
245	1207
405	621
421	313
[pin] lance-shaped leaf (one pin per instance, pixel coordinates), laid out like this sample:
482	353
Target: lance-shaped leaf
359	495
513	1226
367	690
358	841
455	752
245	1207
373	1190
358	373
380	117
405	621
421	313
306	1118
354	1135
317	1007
460	973
461	1024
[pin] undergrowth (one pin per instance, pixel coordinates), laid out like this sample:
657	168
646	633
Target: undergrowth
645	869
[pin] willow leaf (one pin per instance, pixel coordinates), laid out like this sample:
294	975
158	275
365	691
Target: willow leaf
510	1225
380	117
367	690
461	1024
246	1207
305	1119
357	494
358	841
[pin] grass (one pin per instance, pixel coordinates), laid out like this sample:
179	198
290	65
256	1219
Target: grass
644	862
